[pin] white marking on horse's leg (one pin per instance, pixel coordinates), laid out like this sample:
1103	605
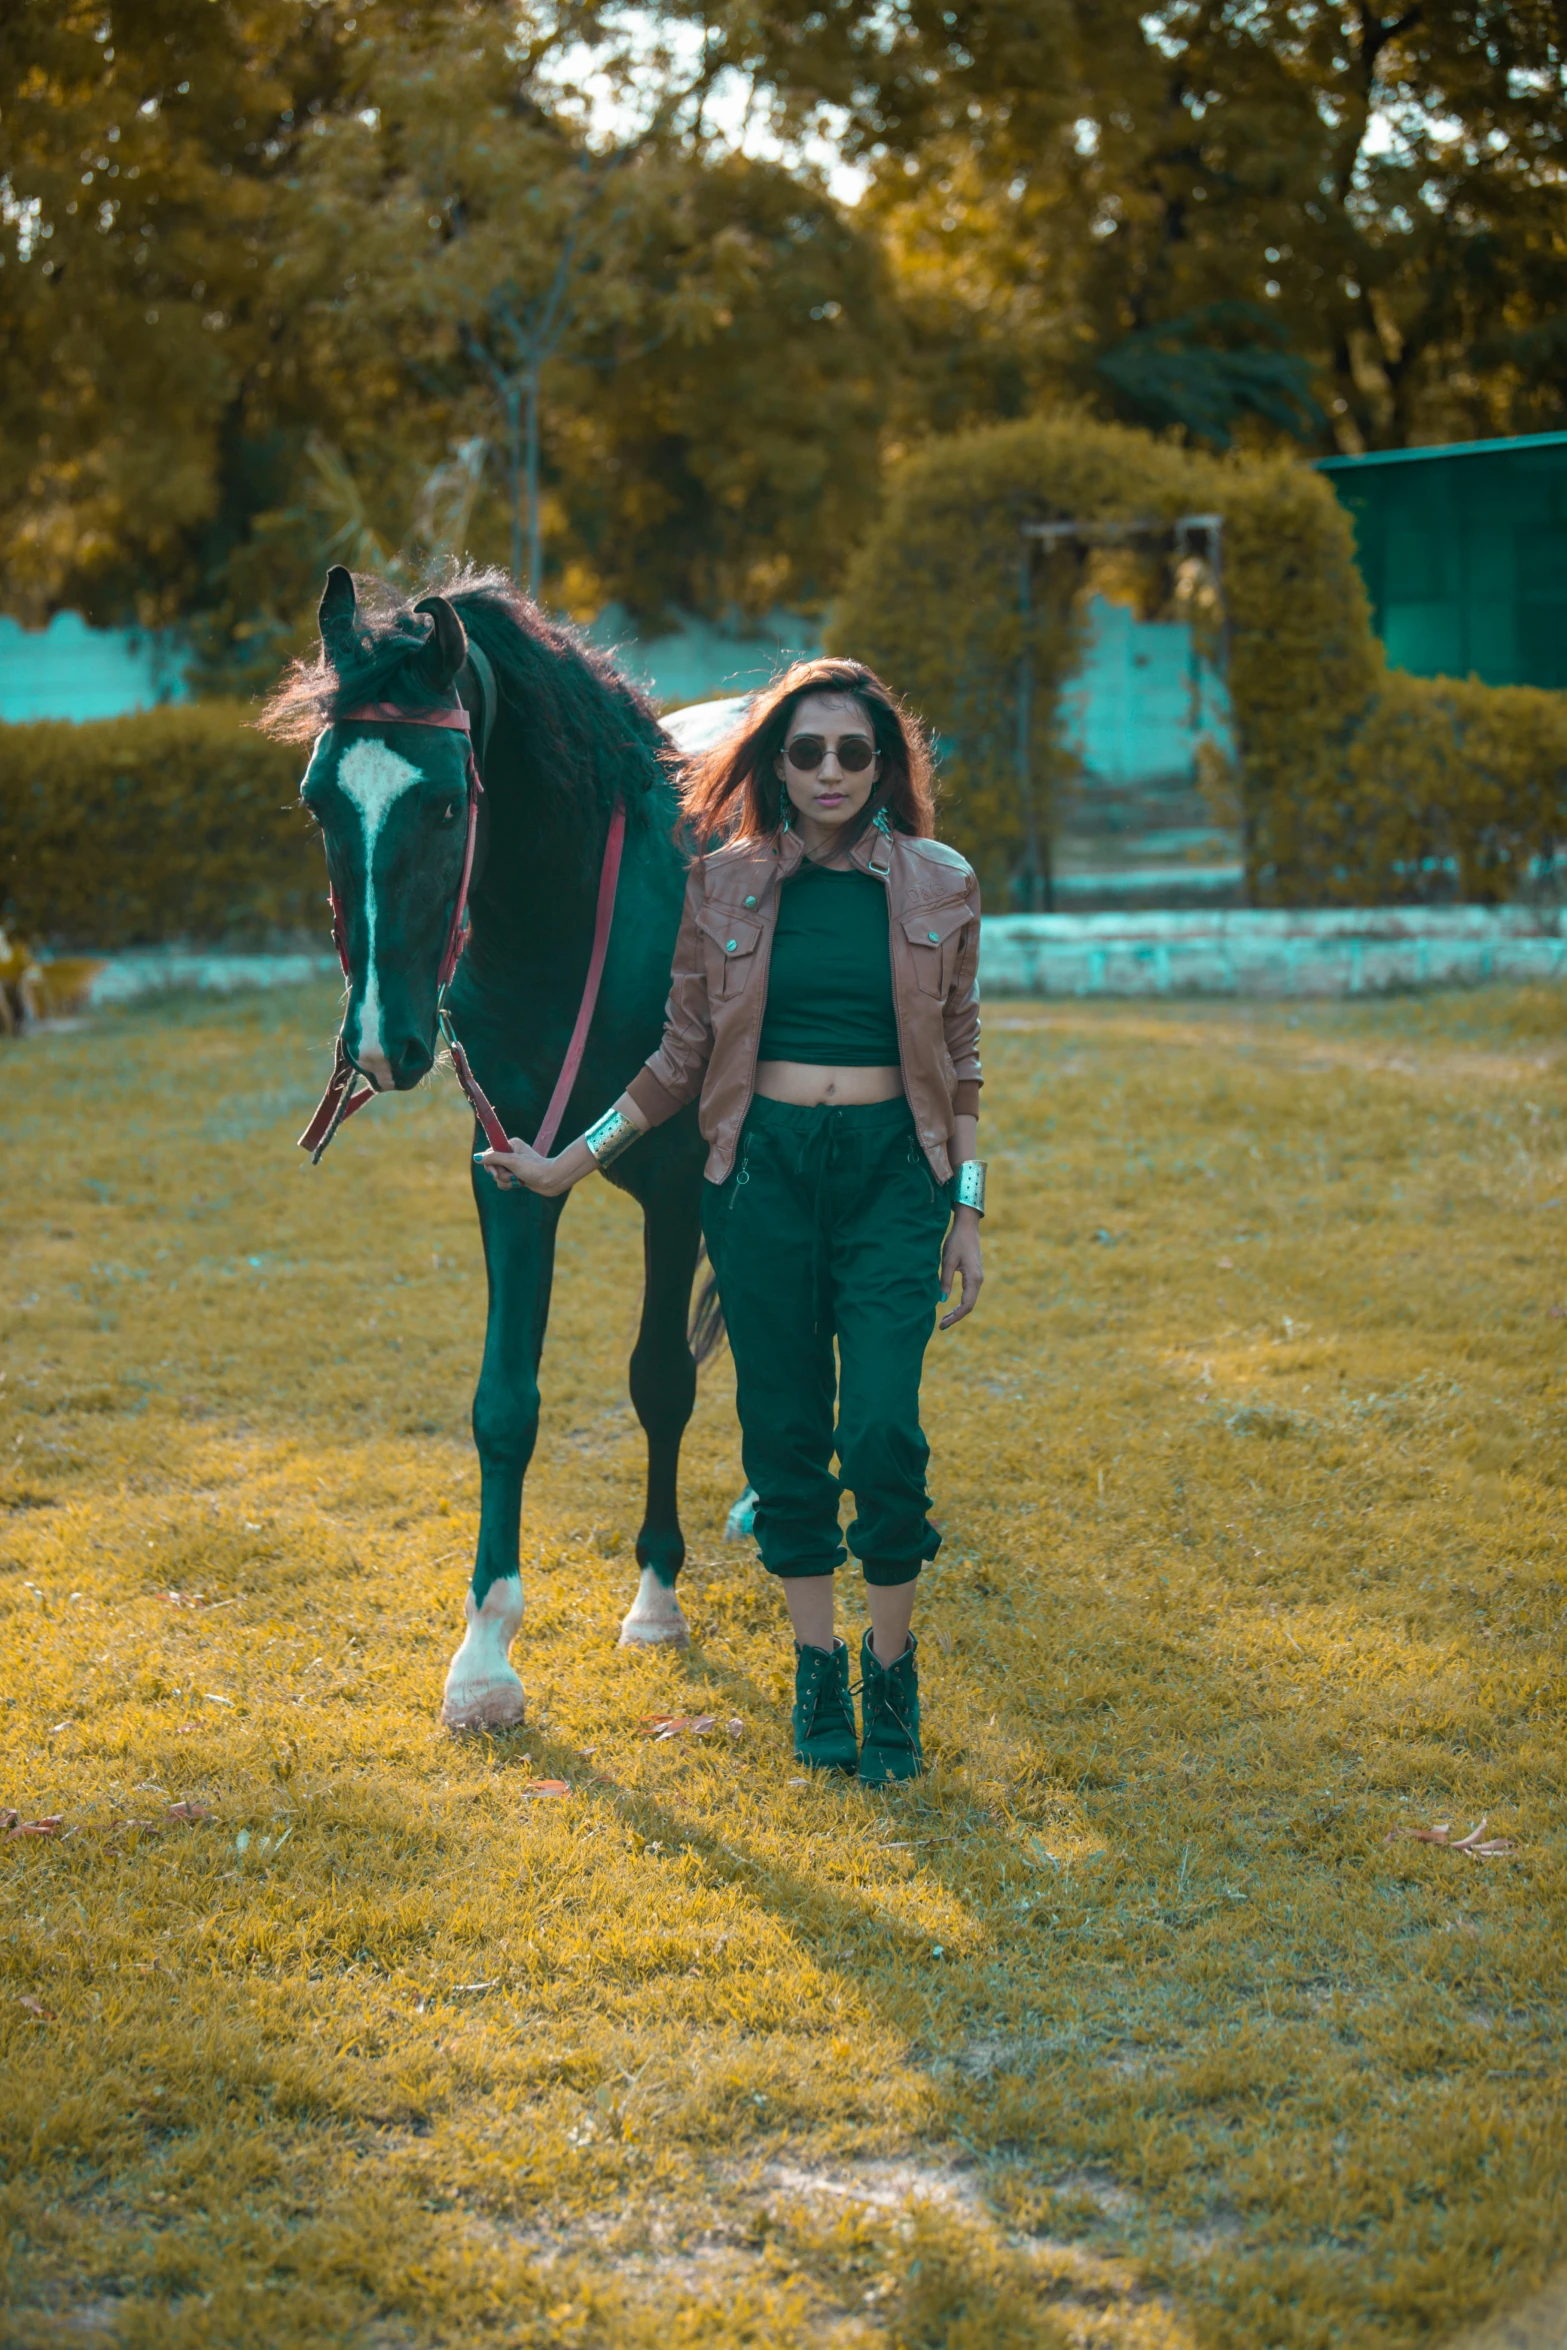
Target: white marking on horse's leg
375	778
740	1525
482	1691
654	1617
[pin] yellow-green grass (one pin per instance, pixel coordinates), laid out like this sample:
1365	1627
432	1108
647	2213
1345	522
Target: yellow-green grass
1129	2025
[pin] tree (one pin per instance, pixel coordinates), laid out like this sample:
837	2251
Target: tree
144	159
1377	183
341	251
679	358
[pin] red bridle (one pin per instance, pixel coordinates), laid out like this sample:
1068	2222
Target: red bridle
340	1101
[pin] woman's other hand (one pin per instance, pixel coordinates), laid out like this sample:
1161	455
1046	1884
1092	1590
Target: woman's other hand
961	1259
519	1167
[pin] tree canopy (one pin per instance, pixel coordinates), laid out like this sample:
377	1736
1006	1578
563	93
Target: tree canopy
280	278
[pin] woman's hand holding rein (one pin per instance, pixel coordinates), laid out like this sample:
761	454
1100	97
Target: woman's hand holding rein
519	1167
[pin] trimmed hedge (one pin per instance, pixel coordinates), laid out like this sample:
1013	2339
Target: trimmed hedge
1450	789
1354	783
180	823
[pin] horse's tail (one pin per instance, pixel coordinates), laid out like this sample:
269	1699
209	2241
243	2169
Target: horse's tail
706	1333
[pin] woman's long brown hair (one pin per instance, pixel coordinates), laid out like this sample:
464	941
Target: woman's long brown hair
732	791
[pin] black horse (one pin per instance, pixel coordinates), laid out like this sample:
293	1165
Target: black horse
562	741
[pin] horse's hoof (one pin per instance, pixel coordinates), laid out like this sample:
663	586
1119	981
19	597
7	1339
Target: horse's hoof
482	1692
497	1706
640	1632
655	1618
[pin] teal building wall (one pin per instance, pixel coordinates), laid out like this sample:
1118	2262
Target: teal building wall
69	670
1464	553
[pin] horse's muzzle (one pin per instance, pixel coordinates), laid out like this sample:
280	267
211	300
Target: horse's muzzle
399	1066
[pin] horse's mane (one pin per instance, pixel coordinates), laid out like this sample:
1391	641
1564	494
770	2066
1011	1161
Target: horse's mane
586	734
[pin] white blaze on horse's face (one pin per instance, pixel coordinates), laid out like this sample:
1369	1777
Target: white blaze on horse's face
374	777
393	825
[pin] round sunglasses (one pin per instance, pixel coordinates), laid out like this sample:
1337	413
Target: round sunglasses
807	751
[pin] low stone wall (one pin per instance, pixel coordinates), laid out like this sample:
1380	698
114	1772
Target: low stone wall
1341	951
126	978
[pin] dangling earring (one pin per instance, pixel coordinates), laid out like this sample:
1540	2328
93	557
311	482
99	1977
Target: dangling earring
785	810
880	824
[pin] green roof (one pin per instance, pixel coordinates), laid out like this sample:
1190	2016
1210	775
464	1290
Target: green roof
1523	440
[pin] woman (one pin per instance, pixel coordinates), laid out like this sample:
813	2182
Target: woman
824	1004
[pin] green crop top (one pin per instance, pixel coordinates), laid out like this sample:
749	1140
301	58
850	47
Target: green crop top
829	985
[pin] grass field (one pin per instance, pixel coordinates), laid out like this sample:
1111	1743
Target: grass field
1139	2022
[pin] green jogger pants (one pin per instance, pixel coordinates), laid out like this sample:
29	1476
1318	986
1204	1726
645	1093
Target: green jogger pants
830	1225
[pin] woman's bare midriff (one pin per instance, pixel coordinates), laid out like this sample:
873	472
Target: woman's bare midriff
808	1086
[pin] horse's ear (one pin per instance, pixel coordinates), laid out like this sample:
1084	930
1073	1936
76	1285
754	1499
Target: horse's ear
335	615
447	649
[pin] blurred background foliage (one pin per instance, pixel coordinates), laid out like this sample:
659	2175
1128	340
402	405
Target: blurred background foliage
580	287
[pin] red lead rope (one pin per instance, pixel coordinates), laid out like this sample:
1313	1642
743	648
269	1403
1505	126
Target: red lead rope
495	1132
609	875
340	1101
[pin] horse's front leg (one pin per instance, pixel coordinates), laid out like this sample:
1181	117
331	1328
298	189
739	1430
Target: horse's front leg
663	1391
482	1690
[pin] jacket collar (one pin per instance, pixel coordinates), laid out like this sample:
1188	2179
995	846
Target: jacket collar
871	853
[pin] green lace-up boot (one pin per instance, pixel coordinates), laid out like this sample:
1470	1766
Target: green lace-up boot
823	1709
890	1711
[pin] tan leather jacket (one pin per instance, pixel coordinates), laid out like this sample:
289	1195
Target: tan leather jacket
718	986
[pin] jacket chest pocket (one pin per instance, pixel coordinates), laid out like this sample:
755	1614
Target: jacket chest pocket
730	942
932	933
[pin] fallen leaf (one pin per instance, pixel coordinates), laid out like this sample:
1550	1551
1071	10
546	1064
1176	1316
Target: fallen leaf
1226	1264
1480	1847
34	1827
735	1727
1475	1843
188	1810
36	2007
547	1787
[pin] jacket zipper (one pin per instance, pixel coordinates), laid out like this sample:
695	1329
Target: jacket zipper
897	1012
764	949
